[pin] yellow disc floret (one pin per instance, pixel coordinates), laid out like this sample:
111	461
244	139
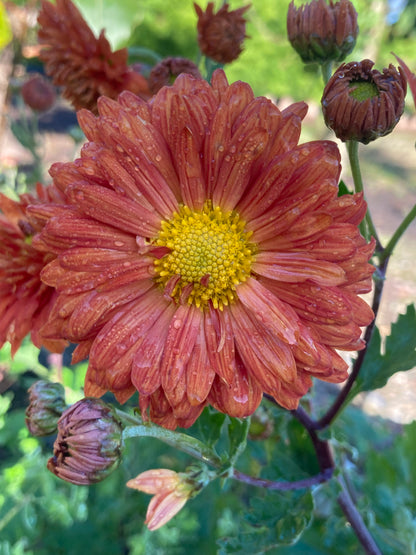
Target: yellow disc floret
209	254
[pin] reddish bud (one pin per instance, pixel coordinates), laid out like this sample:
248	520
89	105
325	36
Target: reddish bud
321	32
38	93
88	446
360	103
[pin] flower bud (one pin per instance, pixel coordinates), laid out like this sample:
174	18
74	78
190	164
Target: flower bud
170	490
88	446
46	404
360	103
38	93
321	32
166	71
221	35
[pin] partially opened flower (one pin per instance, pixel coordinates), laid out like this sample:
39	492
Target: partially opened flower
170	490
206	256
83	65
25	301
221	35
360	103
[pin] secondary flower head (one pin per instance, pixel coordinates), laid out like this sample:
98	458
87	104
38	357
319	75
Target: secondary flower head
25	301
46	404
170	490
361	104
89	442
83	65
206	256
221	35
38	93
166	71
322	32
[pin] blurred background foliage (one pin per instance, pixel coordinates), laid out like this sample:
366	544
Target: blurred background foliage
40	515
268	62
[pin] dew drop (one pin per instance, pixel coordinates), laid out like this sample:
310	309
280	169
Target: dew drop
158	157
118	243
177	324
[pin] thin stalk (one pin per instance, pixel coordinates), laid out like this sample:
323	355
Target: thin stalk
398	233
183	442
326	69
367	226
282	486
355	519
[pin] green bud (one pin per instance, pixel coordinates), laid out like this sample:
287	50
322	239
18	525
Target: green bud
46	404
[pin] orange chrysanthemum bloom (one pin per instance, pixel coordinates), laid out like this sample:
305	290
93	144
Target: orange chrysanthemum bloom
83	65
206	257
25	301
221	35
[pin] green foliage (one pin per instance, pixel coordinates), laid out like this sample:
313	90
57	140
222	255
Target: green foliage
399	353
5	30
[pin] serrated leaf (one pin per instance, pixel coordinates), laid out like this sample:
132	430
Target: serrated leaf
274	519
400	354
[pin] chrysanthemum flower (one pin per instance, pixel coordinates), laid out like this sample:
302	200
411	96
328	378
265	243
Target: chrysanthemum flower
221	35
24	300
206	256
83	65
170	493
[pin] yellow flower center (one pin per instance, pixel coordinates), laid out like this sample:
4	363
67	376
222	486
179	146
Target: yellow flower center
209	254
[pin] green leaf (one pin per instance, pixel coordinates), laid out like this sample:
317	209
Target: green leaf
237	435
399	355
343	189
210	425
274	519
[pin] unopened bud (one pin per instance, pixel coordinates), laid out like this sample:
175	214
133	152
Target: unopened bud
166	71
89	443
321	32
360	103
38	93
46	404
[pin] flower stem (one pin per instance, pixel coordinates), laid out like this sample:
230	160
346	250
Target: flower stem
367	226
282	486
355	519
398	233
326	69
183	442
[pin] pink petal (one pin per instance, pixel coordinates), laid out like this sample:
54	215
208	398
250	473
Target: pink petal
296	268
179	345
275	315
